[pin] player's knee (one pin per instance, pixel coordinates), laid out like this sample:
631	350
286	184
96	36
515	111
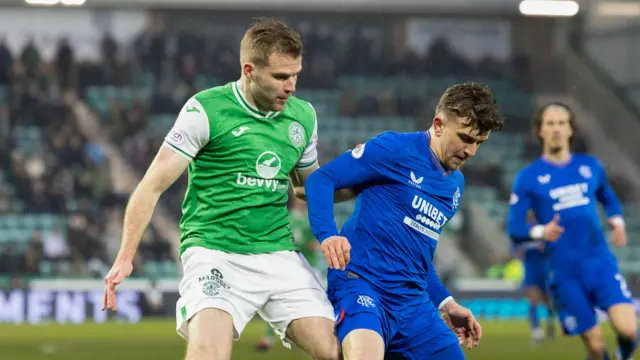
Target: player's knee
326	350
628	331
534	296
624	320
596	347
207	349
327	353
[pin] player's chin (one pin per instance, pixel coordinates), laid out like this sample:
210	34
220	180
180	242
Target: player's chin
455	164
278	104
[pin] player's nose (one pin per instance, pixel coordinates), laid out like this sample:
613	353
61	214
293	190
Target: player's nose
289	86
471	150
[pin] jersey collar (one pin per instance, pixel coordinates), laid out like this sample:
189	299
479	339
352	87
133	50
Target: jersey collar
434	158
557	164
251	109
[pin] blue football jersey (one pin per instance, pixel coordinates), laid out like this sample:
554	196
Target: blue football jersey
572	191
405	198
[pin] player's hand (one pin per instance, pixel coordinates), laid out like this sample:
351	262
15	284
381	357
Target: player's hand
618	234
337	251
552	230
120	271
462	322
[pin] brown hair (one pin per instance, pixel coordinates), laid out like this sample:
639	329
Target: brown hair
474	102
267	36
536	121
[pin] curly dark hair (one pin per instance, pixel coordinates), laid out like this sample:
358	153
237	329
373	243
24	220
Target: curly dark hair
474	103
268	36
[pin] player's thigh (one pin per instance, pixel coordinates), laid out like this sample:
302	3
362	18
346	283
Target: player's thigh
623	320
423	334
573	306
297	298
218	280
363	344
210	335
362	324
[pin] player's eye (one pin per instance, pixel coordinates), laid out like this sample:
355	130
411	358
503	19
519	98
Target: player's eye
281	76
467	139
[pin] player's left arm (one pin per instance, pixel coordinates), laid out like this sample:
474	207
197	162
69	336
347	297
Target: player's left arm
347	171
608	198
459	319
299	178
612	207
438	293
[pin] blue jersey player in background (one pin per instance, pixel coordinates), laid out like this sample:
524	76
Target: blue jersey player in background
563	190
381	281
533	255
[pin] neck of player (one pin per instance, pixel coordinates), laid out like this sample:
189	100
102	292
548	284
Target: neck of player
557	155
435	146
247	94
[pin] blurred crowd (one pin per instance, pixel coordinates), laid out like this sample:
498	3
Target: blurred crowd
50	167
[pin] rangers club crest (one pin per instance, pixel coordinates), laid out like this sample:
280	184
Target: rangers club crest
456	199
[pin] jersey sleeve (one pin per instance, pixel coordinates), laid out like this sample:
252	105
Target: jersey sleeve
520	202
606	195
438	293
310	153
190	132
367	163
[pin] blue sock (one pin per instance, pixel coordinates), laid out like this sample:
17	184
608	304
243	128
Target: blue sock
626	347
533	317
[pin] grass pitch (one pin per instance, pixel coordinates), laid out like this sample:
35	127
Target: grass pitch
157	340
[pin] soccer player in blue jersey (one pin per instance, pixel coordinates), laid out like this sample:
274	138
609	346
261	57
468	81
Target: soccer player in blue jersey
563	190
382	283
535	286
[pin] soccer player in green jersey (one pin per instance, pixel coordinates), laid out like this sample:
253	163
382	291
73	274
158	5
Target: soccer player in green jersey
242	143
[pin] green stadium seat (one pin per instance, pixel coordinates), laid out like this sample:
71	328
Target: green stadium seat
47	222
168	269
46	269
150	269
28	221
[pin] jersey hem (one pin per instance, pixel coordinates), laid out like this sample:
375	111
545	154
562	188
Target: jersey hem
237	249
306	165
179	151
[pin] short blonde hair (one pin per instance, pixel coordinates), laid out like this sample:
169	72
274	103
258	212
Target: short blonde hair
266	37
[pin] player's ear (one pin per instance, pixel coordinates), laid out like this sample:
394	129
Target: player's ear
438	126
247	69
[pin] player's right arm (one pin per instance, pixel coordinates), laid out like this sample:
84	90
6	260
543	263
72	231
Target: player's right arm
189	134
165	169
518	227
519	204
364	164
